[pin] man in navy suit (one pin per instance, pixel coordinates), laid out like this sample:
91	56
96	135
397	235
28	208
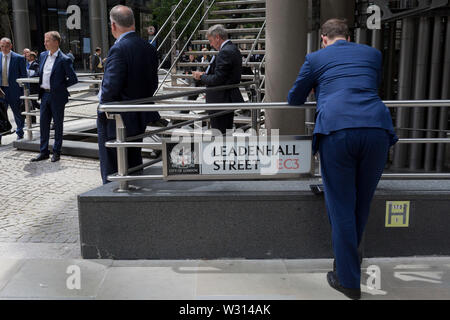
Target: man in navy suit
12	67
353	132
131	73
56	74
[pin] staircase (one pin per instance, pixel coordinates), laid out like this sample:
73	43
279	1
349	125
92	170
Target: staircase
245	22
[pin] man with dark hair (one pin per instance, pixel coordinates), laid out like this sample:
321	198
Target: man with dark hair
225	68
353	132
97	63
56	74
131	73
12	67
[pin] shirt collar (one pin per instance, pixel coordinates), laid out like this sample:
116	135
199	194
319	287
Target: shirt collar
7	55
55	54
224	43
122	35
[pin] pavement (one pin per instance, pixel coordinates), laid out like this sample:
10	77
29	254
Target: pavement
40	253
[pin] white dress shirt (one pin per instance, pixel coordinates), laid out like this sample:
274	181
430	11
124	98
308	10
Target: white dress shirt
8	62
48	66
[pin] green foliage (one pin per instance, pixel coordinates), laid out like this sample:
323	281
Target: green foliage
161	10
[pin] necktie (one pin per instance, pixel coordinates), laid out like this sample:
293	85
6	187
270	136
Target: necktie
5	72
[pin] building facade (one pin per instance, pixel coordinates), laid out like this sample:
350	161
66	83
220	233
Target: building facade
83	24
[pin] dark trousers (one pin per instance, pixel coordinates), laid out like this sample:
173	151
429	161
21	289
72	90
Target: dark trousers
222	123
15	107
106	130
51	109
352	161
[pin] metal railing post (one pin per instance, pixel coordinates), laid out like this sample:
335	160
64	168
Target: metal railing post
173	39
122	158
28	120
255	114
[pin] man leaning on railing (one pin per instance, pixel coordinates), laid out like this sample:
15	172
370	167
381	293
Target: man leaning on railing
353	132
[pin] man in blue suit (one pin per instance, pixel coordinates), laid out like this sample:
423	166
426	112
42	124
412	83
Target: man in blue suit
131	73
56	74
12	67
353	132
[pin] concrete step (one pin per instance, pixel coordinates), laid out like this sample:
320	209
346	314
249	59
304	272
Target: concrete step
202	64
243	52
172	115
235	3
237	30
236	20
190	76
238	11
235	41
184	89
176	101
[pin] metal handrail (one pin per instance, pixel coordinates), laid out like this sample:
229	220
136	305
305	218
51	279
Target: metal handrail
187	42
251	105
173	26
122	142
165	23
182	94
255	42
27	98
181	34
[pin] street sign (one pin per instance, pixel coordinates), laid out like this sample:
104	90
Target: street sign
238	157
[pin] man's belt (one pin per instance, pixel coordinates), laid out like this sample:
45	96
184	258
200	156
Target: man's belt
46	90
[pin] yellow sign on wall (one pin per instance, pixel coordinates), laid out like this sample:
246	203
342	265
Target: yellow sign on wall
397	213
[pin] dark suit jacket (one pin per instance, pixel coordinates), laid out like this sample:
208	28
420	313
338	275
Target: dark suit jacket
17	69
225	69
62	77
95	62
345	77
131	73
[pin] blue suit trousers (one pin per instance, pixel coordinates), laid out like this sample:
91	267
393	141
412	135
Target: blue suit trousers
51	109
352	161
15	107
106	130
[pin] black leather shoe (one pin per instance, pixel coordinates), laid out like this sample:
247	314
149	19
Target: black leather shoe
40	157
352	293
55	157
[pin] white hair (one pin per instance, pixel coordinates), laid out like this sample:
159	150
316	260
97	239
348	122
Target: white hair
219	30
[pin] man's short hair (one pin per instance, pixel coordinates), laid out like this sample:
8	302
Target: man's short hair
219	30
122	16
55	36
33	54
6	39
334	28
